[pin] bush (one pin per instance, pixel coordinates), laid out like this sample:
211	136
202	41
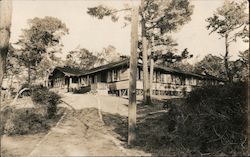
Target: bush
212	120
42	96
5	115
26	121
53	101
32	120
39	95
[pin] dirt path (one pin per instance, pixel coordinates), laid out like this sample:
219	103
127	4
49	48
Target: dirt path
19	145
81	132
75	138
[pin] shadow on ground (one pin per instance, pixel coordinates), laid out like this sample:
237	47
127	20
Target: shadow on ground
153	125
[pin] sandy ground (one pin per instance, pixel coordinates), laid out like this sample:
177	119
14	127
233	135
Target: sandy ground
80	132
19	145
106	103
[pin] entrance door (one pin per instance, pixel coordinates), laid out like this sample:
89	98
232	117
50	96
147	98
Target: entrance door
104	77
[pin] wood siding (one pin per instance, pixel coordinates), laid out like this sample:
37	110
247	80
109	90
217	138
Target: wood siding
116	81
124	75
118	85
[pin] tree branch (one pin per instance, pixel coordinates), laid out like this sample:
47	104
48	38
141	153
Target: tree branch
121	10
238	26
231	41
17	95
156	23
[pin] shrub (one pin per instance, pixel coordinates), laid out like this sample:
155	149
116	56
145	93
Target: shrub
212	120
42	96
5	115
53	101
26	121
32	120
39	95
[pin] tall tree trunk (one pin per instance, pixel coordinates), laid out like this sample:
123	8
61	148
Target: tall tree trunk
248	117
146	91
10	86
228	73
151	70
48	71
3	57
29	73
151	76
132	78
5	23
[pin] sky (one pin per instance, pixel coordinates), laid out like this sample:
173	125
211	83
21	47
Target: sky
88	32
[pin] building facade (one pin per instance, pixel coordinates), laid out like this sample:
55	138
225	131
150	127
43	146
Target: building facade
113	78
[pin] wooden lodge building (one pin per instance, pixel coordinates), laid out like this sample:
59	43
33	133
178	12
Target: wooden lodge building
113	78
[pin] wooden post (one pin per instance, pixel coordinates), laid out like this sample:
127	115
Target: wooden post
79	82
61	82
70	83
132	78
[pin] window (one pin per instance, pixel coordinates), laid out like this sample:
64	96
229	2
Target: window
116	75
154	77
188	81
161	78
183	80
95	79
172	78
92	79
109	79
167	78
139	74
88	80
74	80
158	77
200	82
195	82
192	81
177	80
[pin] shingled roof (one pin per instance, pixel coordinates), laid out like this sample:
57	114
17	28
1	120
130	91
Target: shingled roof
107	66
68	71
